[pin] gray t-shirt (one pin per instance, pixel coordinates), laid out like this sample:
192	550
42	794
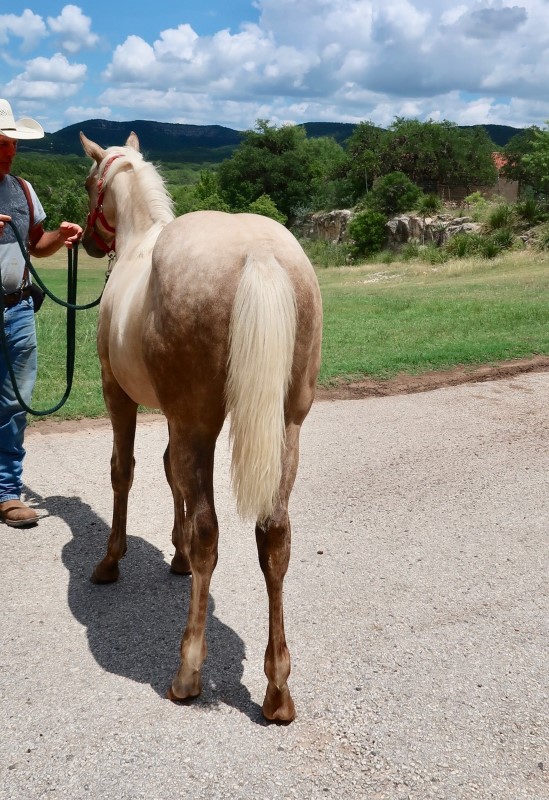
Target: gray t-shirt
14	203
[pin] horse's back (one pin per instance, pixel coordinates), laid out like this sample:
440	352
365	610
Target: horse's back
212	246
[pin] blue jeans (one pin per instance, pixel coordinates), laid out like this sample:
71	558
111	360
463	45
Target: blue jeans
20	333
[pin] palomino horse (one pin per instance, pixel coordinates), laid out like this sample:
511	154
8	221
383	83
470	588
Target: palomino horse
204	316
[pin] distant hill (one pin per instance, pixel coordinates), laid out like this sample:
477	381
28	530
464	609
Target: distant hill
159	140
500	134
340	131
194	144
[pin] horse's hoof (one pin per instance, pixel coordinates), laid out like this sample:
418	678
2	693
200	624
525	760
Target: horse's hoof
187	689
180	565
278	706
105	573
170	695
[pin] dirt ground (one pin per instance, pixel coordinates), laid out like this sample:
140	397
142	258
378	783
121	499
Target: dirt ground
437	379
415	605
400	384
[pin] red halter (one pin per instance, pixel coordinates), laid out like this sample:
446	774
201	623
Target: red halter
97	213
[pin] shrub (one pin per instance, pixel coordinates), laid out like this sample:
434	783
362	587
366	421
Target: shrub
543	238
490	248
429	204
266	207
500	217
367	231
476	199
504	237
529	210
409	251
477	205
212	202
463	245
326	254
433	254
387	257
393	194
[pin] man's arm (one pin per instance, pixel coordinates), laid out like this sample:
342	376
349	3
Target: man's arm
46	243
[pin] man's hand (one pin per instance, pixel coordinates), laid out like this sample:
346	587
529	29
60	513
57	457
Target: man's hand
70	232
3	219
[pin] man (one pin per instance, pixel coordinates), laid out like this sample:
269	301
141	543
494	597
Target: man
19	327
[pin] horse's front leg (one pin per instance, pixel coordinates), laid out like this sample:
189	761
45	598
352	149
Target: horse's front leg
123	415
273	537
192	461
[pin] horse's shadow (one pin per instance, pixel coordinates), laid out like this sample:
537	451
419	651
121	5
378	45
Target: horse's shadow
134	626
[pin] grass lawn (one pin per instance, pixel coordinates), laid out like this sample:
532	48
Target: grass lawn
413	317
379	320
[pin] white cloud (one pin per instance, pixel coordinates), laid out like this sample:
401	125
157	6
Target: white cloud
43	92
134	61
47	80
348	60
325	48
28	27
73	29
176	45
81	113
56	69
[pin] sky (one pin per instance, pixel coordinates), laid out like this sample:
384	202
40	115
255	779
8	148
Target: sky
232	62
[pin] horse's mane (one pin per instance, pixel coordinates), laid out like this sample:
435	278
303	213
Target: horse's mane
151	185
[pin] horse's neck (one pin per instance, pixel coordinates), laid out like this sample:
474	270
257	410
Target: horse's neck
134	224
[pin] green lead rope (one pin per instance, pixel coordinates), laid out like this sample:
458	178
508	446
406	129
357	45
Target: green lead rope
72	308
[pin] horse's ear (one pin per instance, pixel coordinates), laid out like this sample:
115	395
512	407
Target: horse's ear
91	149
133	141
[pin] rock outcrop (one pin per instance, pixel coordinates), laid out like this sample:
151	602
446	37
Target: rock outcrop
330	226
425	230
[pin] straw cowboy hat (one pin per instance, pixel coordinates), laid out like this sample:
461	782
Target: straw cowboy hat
24	128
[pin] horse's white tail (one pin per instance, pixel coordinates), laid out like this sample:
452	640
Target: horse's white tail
261	347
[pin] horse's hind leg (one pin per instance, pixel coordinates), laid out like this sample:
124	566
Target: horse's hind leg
192	462
180	562
123	414
273	539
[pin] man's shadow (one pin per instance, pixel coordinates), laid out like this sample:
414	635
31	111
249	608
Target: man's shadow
134	626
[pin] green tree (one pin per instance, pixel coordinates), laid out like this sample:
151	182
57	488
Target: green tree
367	232
67	200
327	189
59	184
434	153
362	164
206	194
476	166
393	194
265	206
527	156
270	160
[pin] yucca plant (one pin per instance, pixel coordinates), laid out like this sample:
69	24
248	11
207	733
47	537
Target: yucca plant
542	238
504	237
429	204
490	248
463	245
529	210
501	216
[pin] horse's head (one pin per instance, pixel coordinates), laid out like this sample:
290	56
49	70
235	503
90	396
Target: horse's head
99	234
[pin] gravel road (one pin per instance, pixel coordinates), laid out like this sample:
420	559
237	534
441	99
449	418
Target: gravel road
417	616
